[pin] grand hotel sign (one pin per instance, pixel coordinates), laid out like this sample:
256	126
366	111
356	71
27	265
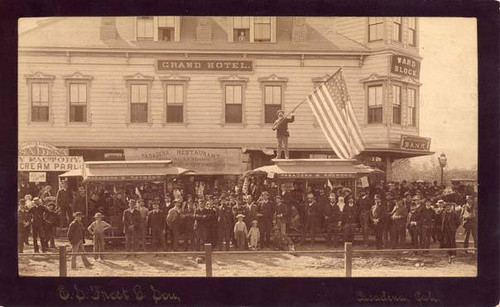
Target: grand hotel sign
163	65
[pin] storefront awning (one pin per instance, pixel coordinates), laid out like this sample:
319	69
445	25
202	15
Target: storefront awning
314	169
73	173
132	170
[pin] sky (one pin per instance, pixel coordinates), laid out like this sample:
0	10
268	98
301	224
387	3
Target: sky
448	96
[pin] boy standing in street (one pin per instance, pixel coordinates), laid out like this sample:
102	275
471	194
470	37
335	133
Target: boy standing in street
97	229
240	232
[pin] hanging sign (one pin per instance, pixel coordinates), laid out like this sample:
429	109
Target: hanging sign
38	176
415	143
405	65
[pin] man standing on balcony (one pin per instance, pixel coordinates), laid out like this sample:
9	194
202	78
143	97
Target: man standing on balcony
281	127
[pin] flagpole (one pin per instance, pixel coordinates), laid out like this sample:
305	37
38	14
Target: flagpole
297	106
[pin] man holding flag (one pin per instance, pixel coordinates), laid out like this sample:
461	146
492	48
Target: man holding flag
281	127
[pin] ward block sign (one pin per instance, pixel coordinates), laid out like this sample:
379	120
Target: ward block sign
204	65
405	65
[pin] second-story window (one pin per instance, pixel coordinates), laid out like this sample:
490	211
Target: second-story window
412	107
375	28
233	103
241	29
166	28
175	103
78	102
375	102
412	31
396	104
40	101
138	103
262	29
145	28
396	29
272	102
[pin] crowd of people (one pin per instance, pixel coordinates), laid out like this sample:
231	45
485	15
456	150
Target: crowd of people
250	216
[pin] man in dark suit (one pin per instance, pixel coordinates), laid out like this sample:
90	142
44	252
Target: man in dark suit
414	225
37	212
350	220
333	219
313	214
23	223
449	225
131	224
51	220
427	216
398	217
377	217
64	199
155	221
76	237
365	204
265	213
201	216
282	134
174	223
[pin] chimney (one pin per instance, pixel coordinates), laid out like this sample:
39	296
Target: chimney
204	30
108	28
299	30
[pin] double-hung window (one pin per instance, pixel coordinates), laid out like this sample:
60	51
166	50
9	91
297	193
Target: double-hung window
145	28
412	107
396	104
175	103
78	102
233	103
241	29
40	101
375	103
375	28
272	102
262	29
396	29
412	31
139	103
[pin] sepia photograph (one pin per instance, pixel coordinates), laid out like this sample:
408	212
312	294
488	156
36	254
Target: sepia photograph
247	146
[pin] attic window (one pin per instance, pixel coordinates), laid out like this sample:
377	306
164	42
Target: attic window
252	29
241	29
145	26
160	28
262	27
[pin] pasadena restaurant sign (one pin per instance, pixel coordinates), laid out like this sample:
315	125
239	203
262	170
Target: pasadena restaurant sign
204	65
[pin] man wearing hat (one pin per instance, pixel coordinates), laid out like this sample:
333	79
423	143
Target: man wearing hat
23	223
64	199
76	236
377	216
224	223
414	225
282	134
333	217
428	217
174	223
449	225
131	224
50	221
156	222
365	204
265	213
36	213
97	229
281	214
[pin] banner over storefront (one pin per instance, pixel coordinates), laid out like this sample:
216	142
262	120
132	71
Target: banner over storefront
48	163
203	161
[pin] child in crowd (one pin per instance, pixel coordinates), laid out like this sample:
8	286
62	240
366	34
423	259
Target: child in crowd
253	235
240	232
281	241
97	229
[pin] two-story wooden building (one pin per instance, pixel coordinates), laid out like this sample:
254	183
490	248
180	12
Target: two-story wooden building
204	91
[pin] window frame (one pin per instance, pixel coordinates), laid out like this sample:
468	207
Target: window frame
368	86
156	26
399	26
251	38
40	77
175	80
233	81
138	79
369	25
415	107
272	80
78	78
393	105
412	30
142	39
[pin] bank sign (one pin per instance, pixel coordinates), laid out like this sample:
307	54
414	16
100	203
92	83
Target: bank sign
405	65
415	143
205	65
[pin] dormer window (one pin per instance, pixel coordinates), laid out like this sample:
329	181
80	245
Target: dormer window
158	28
252	29
241	29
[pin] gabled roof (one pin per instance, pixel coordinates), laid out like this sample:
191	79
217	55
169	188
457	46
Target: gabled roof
84	32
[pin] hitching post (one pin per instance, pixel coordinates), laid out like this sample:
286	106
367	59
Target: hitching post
348	259
208	259
63	269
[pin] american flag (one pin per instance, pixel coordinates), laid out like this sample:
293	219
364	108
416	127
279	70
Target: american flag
332	107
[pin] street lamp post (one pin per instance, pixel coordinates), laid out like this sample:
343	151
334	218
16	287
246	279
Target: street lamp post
442	162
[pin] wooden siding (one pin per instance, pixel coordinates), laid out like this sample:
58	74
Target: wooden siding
352	27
